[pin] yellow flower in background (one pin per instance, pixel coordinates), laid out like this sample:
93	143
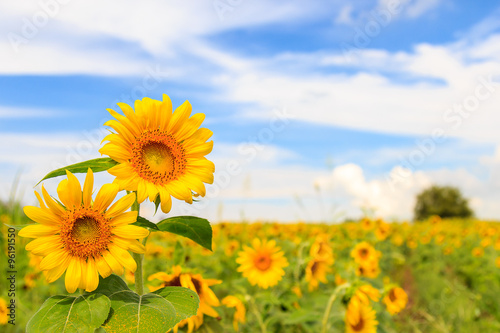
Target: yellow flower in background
364	252
367	224
395	300
83	238
316	272
369	269
239	315
366	292
197	283
478	252
360	318
4	312
339	280
263	263
321	248
231	247
160	153
382	231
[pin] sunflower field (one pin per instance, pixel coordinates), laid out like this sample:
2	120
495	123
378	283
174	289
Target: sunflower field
184	274
364	276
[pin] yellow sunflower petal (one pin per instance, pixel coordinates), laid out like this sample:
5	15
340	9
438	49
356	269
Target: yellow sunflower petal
113	263
41	215
56	272
123	257
73	275
130	231
103	267
105	196
92	275
125	218
121	205
88	188
38	230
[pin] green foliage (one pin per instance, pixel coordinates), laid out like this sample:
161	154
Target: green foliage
70	314
97	165
153	312
194	228
145	223
443	201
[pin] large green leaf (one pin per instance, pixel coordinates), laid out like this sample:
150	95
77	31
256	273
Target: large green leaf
70	314
194	228
97	165
153	312
145	223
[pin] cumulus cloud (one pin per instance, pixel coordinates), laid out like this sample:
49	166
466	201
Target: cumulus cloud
393	195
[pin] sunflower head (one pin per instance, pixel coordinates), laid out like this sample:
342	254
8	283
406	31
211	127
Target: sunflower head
81	236
263	263
360	318
316	272
160	153
395	300
197	283
240	314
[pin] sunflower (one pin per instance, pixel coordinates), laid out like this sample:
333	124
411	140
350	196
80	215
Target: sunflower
366	292
196	283
369	269
316	272
360	318
395	300
263	263
83	238
364	252
239	315
160	153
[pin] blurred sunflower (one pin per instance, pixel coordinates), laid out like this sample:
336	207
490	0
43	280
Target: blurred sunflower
231	247
360	318
364	252
83	238
239	315
395	300
196	283
369	269
366	292
263	263
316	272
160	153
4	312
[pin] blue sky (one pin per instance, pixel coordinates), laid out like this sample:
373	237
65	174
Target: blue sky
378	99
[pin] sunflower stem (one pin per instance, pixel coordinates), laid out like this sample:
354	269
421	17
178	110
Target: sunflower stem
139	280
257	314
324	326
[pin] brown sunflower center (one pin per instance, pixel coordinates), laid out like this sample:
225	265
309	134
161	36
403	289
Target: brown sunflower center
392	295
315	267
363	253
262	262
359	326
158	157
85	233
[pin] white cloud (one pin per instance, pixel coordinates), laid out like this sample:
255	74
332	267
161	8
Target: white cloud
15	112
394	196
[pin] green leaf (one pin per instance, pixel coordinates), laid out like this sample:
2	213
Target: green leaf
69	314
194	228
145	223
19	226
179	254
153	312
97	165
157	203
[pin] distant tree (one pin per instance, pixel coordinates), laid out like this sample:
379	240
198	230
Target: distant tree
444	201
